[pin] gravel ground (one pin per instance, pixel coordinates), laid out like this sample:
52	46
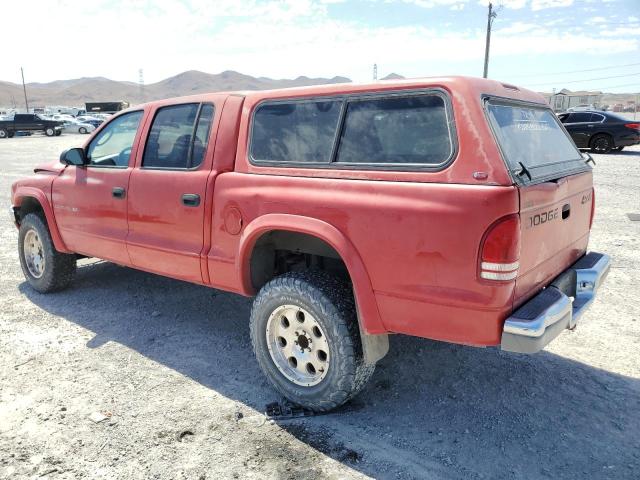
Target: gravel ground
171	366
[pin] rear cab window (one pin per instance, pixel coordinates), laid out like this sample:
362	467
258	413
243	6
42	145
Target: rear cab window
390	130
533	143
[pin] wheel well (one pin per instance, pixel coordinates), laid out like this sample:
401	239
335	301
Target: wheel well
280	251
599	134
28	205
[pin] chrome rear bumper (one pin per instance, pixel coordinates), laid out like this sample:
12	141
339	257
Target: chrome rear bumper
536	323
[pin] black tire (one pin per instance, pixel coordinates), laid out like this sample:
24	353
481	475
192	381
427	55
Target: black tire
49	131
59	268
82	130
330	301
58	133
601	143
4	133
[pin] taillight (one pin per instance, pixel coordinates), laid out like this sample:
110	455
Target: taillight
593	206
633	126
500	251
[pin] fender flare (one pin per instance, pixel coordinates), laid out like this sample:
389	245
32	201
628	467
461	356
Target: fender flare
40	197
368	314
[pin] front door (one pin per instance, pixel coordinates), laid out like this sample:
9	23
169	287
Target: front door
167	191
90	202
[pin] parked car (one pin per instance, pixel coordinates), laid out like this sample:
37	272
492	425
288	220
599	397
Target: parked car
29	122
351	212
74	126
96	122
601	131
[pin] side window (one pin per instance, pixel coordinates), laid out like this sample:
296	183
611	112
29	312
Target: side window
596	117
201	138
580	117
301	132
169	142
396	130
112	146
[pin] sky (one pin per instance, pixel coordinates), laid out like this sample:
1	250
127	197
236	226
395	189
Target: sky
540	44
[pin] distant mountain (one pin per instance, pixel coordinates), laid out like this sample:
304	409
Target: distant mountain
393	76
76	92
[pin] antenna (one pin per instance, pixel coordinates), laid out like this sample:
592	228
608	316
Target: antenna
375	71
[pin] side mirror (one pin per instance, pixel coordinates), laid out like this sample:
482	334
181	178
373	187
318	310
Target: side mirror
73	156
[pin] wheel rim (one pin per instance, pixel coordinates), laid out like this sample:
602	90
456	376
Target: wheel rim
297	345
602	144
49	131
3	134
34	254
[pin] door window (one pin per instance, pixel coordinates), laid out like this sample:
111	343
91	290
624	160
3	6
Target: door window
176	139
112	146
579	118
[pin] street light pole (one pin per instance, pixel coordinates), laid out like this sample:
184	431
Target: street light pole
490	18
24	89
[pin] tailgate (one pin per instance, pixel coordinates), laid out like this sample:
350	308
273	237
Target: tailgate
555	219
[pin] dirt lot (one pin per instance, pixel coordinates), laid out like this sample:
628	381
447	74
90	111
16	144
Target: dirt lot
172	364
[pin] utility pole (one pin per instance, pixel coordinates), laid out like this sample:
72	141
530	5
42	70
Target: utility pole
24	89
490	18
375	72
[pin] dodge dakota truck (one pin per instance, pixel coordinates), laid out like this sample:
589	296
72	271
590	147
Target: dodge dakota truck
455	209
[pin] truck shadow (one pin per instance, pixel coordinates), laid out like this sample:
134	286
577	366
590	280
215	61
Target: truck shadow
431	410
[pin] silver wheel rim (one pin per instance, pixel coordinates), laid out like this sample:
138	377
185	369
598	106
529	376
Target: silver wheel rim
297	345
49	131
3	134
34	253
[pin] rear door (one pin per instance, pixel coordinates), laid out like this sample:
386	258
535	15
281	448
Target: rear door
556	194
167	190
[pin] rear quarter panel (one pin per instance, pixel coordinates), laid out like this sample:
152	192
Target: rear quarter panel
418	241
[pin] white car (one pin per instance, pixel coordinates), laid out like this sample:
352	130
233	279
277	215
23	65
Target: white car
73	126
582	108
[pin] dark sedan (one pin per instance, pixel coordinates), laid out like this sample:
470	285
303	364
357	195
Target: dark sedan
601	131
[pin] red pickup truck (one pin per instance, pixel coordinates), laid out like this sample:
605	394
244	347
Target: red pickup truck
455	209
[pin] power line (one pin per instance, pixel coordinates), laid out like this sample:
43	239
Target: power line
577	71
621	86
583	80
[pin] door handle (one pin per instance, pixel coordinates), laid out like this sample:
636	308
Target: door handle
118	192
191	199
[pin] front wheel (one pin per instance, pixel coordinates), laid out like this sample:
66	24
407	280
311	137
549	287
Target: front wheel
82	130
49	132
46	269
4	133
305	336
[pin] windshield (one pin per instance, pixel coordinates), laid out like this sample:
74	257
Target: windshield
533	142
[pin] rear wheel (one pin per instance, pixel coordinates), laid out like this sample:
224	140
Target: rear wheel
82	130
305	336
58	133
4	133
601	143
49	131
46	269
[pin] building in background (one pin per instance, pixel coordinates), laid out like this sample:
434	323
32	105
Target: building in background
565	99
